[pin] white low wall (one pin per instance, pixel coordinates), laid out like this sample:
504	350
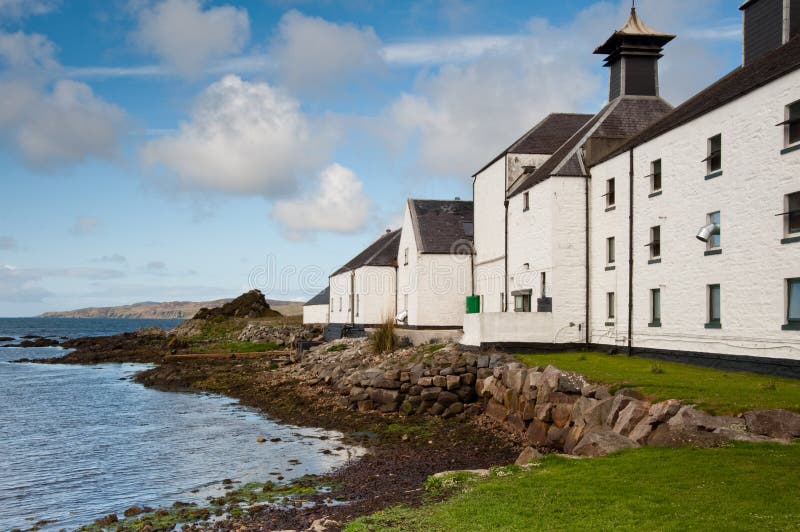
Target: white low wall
508	327
315	314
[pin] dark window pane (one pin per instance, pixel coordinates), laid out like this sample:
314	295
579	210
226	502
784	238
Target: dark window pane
611	253
794	212
794	300
716	240
794	129
715	153
610	303
714	303
657	175
656	311
655	242
611	198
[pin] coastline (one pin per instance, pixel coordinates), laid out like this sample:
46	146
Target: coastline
402	451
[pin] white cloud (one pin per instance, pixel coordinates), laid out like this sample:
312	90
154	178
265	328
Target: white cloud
335	203
23	285
488	90
241	138
49	122
85	225
186	36
7	243
314	54
21	8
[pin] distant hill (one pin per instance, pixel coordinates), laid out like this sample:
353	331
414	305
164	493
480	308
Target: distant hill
168	310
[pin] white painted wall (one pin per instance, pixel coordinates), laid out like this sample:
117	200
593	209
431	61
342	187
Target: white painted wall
315	314
497	327
490	235
753	265
550	238
435	285
374	287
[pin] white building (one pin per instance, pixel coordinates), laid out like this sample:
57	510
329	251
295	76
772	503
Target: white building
315	310
718	160
434	264
543	230
363	290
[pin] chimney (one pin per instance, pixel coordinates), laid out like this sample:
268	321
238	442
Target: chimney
632	55
768	24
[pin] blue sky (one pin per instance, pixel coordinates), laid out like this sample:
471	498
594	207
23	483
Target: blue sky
188	150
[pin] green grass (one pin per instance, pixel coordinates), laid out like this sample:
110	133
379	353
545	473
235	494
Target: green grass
233	347
718	392
743	487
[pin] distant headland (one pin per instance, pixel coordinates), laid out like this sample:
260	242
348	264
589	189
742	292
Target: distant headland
164	310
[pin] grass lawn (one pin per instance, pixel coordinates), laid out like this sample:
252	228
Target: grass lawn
718	392
742	487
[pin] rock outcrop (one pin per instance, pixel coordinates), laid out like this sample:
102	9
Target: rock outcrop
252	304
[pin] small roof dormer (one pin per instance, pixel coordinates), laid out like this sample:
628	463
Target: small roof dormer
632	55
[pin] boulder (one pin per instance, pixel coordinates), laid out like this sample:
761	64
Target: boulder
602	443
527	456
596	391
618	404
773	423
516	422
537	433
430	394
675	435
453	382
630	416
740	435
542	412
453	410
468	379
496	411
690	417
324	525
447	398
383	397
570	383
440	381
437	409
483	361
514	378
556	436
561	414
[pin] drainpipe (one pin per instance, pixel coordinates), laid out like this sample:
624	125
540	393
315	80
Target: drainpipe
505	260
586	232
630	252
396	291
472	251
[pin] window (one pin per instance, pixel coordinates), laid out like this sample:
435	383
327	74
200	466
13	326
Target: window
655	307
340	304
715	241
610	305
655	242
714	307
655	176
611	196
793	302
405	257
610	253
792	123
526	201
792	213
502	302
544	285
522	303
714	159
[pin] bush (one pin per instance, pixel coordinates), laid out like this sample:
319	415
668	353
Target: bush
383	339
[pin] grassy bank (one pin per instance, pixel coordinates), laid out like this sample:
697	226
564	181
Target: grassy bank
743	487
718	392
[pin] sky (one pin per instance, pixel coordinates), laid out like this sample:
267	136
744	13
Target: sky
160	150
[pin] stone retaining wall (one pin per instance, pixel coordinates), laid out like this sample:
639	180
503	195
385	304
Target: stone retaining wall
547	407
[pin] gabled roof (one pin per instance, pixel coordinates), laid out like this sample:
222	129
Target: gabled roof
619	119
741	81
545	137
320	299
382	252
442	226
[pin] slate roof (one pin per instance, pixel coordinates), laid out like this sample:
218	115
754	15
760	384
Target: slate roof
442	226
545	137
320	299
736	84
635	28
619	119
382	252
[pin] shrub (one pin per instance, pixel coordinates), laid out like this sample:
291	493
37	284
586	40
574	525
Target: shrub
337	347
657	369
383	339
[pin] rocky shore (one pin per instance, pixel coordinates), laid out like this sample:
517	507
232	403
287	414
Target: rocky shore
419	410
